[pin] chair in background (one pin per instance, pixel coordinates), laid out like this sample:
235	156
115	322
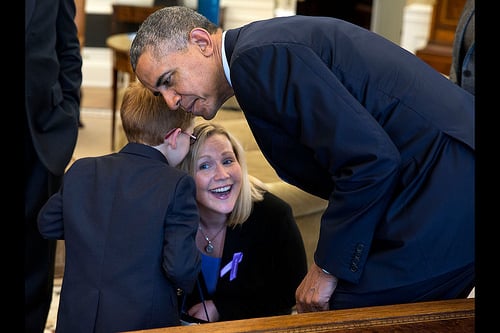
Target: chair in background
128	18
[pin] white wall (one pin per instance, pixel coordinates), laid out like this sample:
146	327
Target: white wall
104	6
98	6
240	12
416	26
97	67
387	18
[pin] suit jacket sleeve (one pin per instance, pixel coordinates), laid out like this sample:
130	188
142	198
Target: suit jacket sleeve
181	258
50	217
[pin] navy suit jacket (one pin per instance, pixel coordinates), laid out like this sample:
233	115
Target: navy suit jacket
52	82
351	117
129	222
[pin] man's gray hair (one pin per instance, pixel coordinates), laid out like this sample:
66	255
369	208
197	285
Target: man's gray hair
167	30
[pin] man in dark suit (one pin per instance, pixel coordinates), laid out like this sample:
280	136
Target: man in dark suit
462	70
351	117
53	78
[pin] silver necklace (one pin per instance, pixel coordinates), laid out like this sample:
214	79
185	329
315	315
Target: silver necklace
210	248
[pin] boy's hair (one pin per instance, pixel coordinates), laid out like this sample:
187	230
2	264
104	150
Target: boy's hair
252	189
146	118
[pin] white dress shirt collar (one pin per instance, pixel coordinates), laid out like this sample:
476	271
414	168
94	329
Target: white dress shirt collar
224	60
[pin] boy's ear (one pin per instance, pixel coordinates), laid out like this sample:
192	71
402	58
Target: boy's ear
171	140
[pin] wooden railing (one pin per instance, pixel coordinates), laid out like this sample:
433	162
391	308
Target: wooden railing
450	316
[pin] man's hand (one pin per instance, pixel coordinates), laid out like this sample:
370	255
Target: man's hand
314	292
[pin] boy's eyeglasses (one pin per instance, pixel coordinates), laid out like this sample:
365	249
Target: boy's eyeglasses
192	138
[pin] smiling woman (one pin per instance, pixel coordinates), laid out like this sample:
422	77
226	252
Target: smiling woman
250	243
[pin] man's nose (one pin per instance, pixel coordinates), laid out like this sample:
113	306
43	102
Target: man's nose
172	99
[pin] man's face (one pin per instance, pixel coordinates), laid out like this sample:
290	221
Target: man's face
185	79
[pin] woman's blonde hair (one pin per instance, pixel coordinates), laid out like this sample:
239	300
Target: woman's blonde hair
252	189
146	118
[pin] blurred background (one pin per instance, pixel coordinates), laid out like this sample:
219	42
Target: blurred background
406	22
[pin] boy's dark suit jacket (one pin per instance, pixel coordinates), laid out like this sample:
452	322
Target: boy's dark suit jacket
353	118
129	222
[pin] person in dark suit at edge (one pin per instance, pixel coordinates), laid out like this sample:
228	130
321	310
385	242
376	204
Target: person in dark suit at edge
53	77
347	115
462	70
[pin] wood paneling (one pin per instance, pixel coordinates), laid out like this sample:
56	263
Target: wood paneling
127	18
438	51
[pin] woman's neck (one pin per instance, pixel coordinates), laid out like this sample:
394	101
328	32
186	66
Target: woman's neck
211	234
210	220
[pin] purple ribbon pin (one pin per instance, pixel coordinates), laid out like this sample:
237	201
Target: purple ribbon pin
232	266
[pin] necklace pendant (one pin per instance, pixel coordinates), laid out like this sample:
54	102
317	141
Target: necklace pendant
209	248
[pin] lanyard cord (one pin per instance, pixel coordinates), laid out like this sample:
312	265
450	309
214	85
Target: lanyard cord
183	305
202	298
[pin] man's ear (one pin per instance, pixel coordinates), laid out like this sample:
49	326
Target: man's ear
203	39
